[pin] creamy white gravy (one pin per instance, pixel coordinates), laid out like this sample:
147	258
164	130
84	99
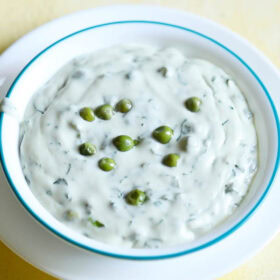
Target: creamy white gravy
217	146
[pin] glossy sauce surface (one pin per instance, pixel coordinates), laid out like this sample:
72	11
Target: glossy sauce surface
217	146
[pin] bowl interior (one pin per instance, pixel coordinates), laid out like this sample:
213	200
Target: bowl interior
192	44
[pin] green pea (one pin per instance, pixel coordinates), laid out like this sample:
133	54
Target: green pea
124	106
123	143
171	160
107	164
87	149
104	112
193	104
163	134
87	114
136	197
70	215
95	223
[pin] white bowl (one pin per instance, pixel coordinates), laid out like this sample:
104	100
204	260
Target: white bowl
45	64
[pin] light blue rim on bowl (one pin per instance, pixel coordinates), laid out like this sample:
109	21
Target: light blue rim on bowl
205	245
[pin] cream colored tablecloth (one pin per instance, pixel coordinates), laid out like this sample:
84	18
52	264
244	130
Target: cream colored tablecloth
256	20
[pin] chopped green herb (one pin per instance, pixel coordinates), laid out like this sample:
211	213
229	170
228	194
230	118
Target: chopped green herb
60	181
70	215
229	188
225	122
162	71
96	223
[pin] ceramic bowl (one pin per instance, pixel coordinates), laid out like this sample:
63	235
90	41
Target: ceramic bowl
42	67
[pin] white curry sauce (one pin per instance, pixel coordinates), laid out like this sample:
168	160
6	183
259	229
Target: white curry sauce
217	146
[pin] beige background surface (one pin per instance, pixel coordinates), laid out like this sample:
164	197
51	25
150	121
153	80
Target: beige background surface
256	20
